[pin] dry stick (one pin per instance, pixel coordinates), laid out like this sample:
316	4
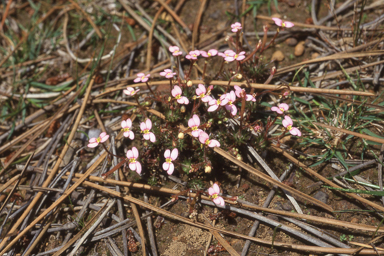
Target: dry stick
42	233
380	170
38	133
119	201
56	167
329	75
274	176
150	229
253	85
265	205
25	37
29	120
93	227
149	48
330	183
88	18
176	17
363	136
210	236
6	185
197	23
210	228
55	204
5	14
224	242
157	190
141	21
18	181
81	232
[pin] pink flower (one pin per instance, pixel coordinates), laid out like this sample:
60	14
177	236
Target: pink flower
126	127
280	110
241	92
130	91
141	77
287	122
236	27
231	97
214	192
283	24
203	94
176	92
210	53
227	53
193	55
94	142
169	157
145	127
257	128
194	123
167	73
238	56
204	139
132	155
214	104
175	50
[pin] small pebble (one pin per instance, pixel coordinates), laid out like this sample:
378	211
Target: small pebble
278	55
291	41
287	206
299	49
315	55
321	196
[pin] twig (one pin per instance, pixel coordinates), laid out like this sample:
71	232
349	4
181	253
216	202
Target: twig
176	17
197	23
150	230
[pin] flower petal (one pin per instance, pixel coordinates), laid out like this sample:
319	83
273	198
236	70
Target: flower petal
288	24
289	120
191	123
148	122
284	106
138	167
203	136
129	154
129	123
196	133
165	166
143	126
135	152
132	166
146	136
277	21
136	80
196	119
131	135
123	124
214	143
211	191
167	153
212	108
216	188
174	154
152	137
171	169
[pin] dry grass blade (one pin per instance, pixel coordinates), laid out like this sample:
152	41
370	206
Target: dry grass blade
168	191
55	204
197	23
326	181
98	218
363	136
98	32
18	181
86	227
176	17
177	217
296	193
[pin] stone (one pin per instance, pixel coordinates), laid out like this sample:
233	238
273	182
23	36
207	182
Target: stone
299	49
321	196
278	56
315	55
287	206
291	41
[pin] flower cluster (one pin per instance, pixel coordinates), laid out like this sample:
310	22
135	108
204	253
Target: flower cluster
287	122
226	103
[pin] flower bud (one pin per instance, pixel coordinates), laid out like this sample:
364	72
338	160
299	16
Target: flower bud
273	70
208	169
174	144
182	109
189	83
238	157
239	76
180	135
